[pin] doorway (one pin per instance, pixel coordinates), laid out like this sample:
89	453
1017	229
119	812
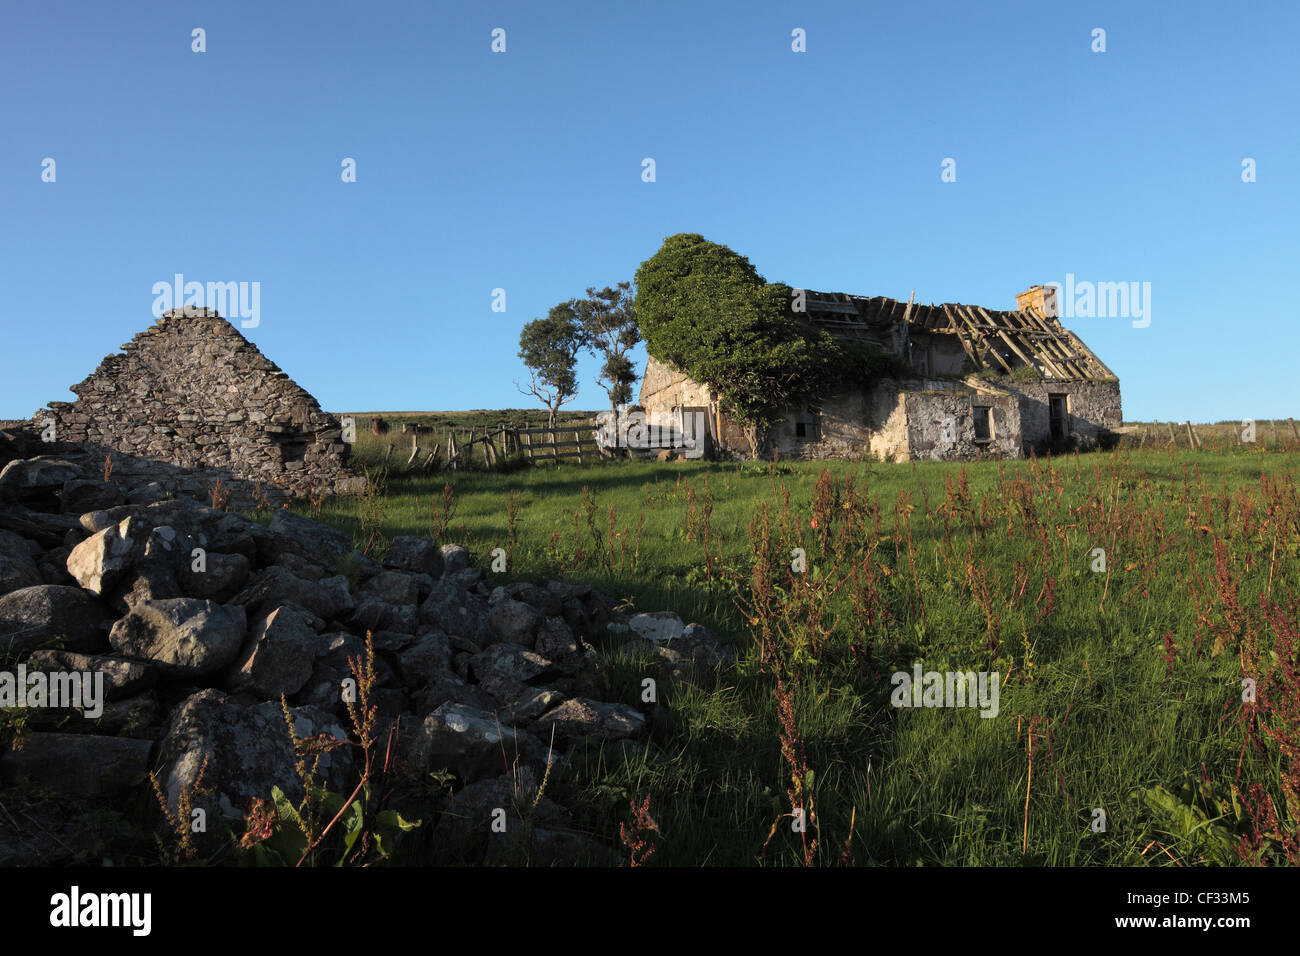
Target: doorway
1059	415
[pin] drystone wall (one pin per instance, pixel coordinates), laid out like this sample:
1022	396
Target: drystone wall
496	686
193	400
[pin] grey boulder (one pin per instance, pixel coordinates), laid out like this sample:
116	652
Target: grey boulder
510	622
103	559
47	614
471	743
274	586
25	478
278	657
582	717
248	749
122	677
415	555
185	636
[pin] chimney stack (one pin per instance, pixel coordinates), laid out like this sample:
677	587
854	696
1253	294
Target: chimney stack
1042	298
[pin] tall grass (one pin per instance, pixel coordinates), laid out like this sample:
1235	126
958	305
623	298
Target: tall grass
1122	685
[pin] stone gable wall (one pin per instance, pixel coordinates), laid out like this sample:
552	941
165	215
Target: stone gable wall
192	393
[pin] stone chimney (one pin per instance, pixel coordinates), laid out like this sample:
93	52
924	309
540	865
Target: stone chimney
1042	298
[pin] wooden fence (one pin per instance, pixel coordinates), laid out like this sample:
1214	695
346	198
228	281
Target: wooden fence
1185	433
491	445
544	444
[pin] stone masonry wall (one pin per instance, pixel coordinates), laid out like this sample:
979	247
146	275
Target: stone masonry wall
917	419
192	392
664	388
1094	408
941	424
853	423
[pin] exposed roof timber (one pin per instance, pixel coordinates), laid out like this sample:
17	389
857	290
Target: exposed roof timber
1006	338
966	346
1049	346
1044	354
1101	366
1069	344
1030	336
1049	343
823	306
1077	342
964	314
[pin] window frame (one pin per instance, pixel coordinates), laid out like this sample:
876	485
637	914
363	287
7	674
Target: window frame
810	421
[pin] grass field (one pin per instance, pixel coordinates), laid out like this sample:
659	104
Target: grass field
1121	735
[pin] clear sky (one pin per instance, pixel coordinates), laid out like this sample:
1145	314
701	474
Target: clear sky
522	171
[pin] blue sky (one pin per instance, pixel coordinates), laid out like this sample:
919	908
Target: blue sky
523	171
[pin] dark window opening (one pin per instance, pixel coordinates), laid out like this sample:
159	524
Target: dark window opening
983	423
1059	416
807	426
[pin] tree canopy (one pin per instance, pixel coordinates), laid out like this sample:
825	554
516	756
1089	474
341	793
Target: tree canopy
608	321
549	348
705	309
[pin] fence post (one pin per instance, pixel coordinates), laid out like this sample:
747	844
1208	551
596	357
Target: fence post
529	449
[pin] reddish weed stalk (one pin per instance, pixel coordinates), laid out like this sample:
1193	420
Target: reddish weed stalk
1273	721
443	509
1039	723
637	837
220	496
802	801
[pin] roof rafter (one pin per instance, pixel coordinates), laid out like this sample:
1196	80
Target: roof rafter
1035	340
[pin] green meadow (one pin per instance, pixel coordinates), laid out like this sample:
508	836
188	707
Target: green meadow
1121	734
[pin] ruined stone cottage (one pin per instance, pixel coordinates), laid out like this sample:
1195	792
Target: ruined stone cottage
970	382
191	400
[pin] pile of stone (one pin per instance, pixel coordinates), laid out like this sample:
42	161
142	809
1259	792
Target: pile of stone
200	620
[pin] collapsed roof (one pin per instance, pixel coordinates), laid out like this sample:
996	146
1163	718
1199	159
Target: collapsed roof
999	341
